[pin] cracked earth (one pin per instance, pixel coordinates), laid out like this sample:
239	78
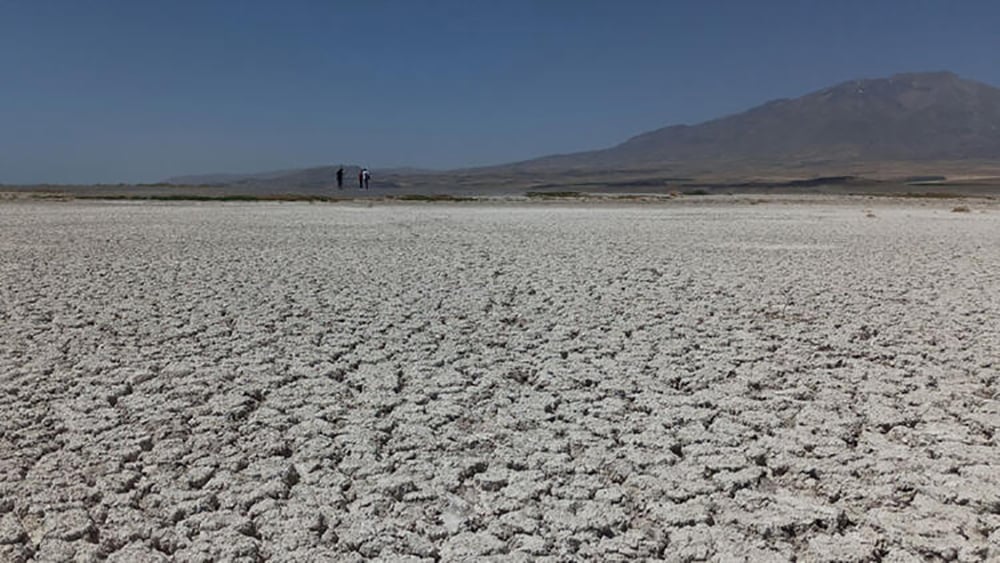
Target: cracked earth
293	382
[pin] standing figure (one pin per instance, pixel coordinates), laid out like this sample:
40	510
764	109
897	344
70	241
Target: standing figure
367	176
340	178
361	179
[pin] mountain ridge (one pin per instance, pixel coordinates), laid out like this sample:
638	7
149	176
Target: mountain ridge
914	116
907	116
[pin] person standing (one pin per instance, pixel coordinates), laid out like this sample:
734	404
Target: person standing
361	179
367	176
340	178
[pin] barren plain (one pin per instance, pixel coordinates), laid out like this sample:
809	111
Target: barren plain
791	380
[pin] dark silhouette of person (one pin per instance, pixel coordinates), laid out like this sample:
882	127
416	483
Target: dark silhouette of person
361	179
340	178
367	176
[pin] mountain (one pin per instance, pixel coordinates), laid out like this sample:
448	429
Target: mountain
912	120
906	117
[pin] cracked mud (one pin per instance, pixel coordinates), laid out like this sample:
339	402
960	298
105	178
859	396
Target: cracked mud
200	382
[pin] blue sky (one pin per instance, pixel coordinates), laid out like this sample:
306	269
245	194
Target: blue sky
129	90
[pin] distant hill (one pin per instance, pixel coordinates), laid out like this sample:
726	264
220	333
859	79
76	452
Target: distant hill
308	176
915	118
315	177
918	116
220	178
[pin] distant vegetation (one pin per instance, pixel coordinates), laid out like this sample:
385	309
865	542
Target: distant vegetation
431	197
925	179
244	197
929	195
554	195
193	197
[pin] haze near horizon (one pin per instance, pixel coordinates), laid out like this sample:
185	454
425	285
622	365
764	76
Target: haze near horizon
114	91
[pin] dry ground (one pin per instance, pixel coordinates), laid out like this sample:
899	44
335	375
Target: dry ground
294	382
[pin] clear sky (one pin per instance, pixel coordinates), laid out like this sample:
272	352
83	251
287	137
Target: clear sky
137	90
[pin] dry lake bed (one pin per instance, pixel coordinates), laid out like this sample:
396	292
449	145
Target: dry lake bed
813	380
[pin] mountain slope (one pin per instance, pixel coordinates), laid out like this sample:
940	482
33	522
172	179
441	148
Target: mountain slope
905	117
